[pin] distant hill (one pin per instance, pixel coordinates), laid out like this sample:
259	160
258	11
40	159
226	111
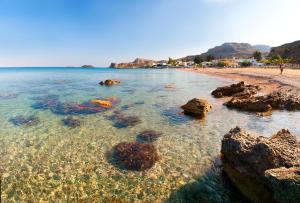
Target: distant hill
232	49
87	66
262	48
290	50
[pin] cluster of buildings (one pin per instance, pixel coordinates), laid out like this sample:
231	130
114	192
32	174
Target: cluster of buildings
230	63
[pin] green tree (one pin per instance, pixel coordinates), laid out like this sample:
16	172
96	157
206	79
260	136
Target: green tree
275	57
198	60
257	55
172	62
210	58
246	63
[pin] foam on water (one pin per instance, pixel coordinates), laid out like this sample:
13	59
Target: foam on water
51	161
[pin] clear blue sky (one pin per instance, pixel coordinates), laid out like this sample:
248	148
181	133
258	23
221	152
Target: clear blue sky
76	32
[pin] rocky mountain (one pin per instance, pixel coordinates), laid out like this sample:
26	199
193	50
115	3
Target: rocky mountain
262	48
227	50
137	63
290	50
232	49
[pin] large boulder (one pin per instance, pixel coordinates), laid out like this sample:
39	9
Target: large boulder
196	107
263	169
278	100
239	89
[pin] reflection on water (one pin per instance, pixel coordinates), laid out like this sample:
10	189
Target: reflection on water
46	154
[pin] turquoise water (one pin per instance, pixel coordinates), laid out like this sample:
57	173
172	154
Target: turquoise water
47	160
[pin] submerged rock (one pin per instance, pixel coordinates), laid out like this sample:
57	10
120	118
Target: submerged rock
197	107
148	136
277	100
263	169
239	89
71	122
109	82
46	102
135	156
122	121
27	121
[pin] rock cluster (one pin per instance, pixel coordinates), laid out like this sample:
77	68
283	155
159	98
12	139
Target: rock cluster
263	169
109	82
135	156
278	100
236	90
196	107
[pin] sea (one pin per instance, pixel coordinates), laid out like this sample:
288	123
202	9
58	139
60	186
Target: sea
55	146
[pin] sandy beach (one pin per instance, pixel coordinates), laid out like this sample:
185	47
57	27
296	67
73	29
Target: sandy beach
268	79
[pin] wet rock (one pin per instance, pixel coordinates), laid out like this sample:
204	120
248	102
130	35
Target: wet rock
148	136
239	89
109	82
263	168
27	121
285	183
197	107
122	121
278	100
135	156
252	104
283	100
71	122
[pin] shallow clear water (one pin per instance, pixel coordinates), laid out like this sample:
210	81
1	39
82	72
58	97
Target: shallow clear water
51	161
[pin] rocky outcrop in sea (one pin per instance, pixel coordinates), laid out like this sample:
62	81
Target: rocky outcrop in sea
196	107
236	90
278	100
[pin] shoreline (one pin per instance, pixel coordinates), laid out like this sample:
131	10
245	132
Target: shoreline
268	79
